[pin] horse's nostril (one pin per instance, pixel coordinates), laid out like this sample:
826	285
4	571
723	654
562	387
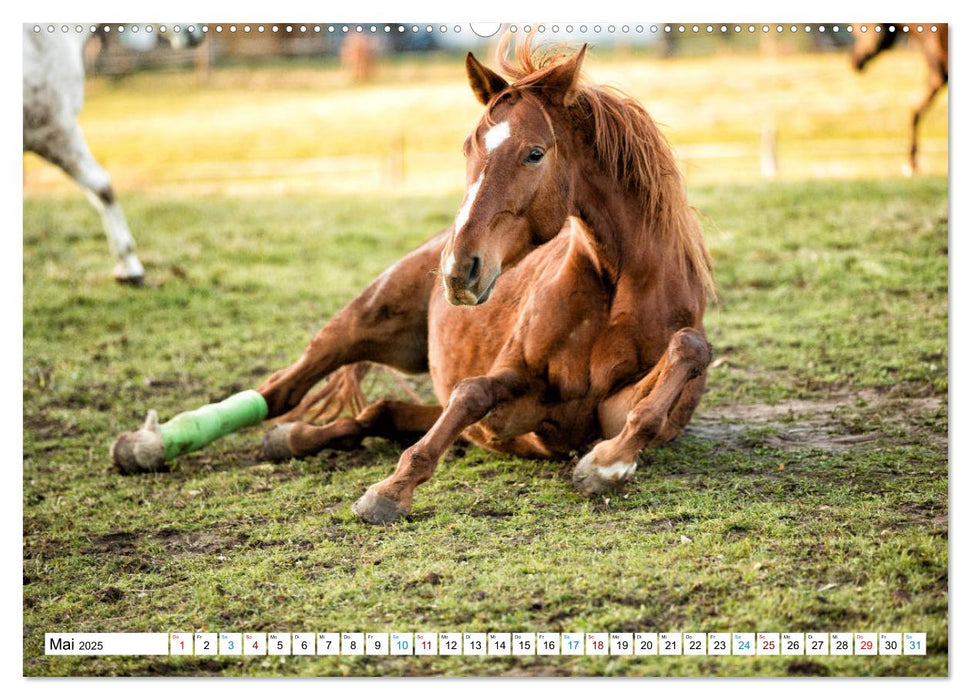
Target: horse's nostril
475	270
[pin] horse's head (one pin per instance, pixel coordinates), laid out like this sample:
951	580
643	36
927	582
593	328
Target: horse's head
518	187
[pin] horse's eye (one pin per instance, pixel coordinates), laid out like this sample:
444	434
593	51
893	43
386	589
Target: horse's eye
535	155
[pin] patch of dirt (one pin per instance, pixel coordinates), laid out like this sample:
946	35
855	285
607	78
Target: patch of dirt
432	578
869	399
930	515
666	524
806	667
302	545
486	512
818	423
194	543
176	542
109	594
42	427
735	532
119	543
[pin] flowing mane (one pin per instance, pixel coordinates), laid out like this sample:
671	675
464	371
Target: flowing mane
629	147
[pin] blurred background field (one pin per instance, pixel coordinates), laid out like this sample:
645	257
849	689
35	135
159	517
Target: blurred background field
295	118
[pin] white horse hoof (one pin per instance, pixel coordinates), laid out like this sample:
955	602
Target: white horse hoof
130	271
377	509
275	445
592	479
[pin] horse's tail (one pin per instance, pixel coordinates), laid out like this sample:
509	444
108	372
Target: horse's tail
342	394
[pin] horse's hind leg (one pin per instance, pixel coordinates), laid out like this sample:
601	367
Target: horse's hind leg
394	420
663	402
64	146
387	323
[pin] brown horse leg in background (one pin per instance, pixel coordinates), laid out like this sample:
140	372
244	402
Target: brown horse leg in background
934	46
387	323
936	79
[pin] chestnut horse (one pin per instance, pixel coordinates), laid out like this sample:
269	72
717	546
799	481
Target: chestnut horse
933	45
567	313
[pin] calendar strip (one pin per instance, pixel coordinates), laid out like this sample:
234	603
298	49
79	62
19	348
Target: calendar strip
511	644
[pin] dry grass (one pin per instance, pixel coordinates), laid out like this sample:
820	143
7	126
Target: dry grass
260	131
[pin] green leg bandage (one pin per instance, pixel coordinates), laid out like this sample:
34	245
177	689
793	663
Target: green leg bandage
191	430
149	448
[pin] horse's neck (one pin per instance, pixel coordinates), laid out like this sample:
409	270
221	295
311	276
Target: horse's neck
615	223
644	254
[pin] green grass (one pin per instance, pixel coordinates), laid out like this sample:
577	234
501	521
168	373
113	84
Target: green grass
826	289
843	284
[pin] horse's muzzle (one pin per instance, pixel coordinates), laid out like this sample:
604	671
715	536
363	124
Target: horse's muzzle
465	285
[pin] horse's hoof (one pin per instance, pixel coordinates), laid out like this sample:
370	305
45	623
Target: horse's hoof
130	271
275	445
377	509
138	281
591	479
142	450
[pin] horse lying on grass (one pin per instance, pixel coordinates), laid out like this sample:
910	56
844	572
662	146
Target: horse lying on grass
576	230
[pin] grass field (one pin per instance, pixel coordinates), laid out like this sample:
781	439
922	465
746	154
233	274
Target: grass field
810	493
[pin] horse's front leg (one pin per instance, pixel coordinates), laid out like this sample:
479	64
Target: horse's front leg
470	401
662	403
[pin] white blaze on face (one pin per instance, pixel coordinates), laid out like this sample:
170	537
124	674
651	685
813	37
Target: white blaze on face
496	136
463	216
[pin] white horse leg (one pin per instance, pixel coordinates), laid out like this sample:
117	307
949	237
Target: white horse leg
64	146
53	95
128	269
96	183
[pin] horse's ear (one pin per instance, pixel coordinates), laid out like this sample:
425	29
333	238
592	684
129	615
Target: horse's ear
485	83
565	77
